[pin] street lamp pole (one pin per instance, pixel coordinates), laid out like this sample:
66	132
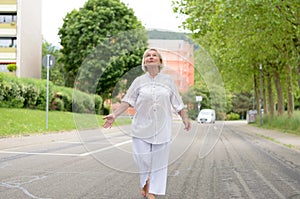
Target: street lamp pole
260	100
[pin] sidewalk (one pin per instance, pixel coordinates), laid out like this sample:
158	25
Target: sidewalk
290	140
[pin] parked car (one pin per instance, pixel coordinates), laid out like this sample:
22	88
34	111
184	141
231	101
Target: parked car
206	116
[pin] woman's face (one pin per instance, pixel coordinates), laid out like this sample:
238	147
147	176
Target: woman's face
152	58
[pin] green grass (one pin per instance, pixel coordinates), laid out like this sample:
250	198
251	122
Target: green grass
282	123
15	122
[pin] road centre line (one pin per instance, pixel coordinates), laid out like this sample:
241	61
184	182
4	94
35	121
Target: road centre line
106	148
45	154
67	154
69	142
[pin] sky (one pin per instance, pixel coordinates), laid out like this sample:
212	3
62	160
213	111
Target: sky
155	14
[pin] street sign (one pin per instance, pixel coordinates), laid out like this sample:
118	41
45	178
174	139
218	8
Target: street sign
48	60
198	98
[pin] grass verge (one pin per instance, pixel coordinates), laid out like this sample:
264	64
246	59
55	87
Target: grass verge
14	122
282	123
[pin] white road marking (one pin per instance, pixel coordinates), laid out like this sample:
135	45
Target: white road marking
106	148
67	154
33	153
69	142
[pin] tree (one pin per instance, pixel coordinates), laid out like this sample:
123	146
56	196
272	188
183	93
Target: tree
209	83
56	74
242	102
241	35
101	42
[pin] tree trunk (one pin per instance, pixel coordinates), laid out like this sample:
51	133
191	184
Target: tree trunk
256	89
280	97
290	95
298	75
265	102
271	110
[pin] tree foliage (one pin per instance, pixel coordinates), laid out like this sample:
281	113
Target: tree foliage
242	35
101	42
56	73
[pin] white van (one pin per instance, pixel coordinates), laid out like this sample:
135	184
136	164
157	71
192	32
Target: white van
206	116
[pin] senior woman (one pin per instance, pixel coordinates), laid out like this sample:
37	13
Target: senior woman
153	95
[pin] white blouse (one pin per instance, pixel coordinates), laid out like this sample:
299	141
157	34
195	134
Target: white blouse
153	100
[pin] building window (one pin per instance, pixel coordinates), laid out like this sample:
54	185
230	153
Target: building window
8	42
3	67
8	18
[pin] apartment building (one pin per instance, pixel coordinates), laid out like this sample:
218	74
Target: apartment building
21	36
179	59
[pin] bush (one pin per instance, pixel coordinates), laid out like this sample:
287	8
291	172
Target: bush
11	67
65	94
42	97
31	93
11	95
232	116
82	103
58	105
98	104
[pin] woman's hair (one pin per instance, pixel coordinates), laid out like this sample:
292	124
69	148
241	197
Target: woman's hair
161	66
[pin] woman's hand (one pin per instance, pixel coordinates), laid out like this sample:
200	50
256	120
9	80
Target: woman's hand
111	117
187	125
109	120
185	119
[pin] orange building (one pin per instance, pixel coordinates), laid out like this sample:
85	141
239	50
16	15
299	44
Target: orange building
178	56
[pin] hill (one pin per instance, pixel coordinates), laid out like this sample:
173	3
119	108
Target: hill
167	35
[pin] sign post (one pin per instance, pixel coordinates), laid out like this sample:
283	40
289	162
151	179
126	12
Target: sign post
199	99
48	62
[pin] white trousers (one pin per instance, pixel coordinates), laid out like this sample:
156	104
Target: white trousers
152	161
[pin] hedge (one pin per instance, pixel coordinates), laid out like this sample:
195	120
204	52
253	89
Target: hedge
233	116
31	93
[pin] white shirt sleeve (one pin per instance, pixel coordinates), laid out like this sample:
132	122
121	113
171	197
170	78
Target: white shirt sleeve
175	97
132	93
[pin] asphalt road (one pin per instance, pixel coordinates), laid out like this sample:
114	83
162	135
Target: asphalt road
211	161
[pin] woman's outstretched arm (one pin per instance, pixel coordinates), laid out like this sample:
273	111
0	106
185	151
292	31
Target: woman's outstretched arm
111	117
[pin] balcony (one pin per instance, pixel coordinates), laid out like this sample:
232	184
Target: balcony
7	6
8	2
8	54
8	33
10	25
8	50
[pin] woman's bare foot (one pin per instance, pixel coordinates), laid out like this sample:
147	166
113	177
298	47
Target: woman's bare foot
151	196
145	189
